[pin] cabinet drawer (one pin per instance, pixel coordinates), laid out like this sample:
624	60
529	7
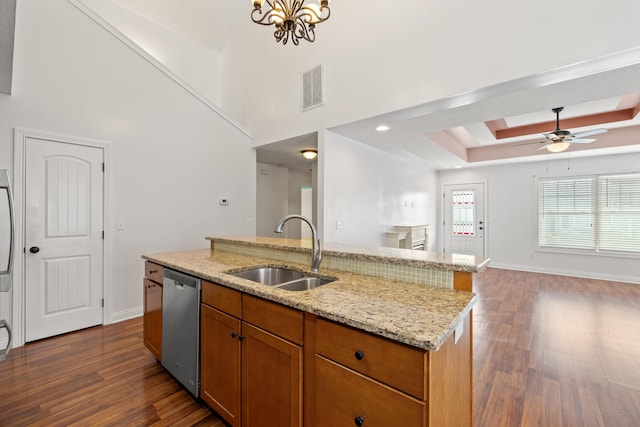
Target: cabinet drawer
419	234
342	396
282	321
392	363
224	299
153	272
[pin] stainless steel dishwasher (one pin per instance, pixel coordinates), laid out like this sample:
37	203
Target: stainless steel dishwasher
181	328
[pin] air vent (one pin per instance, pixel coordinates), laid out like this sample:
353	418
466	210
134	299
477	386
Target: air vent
312	88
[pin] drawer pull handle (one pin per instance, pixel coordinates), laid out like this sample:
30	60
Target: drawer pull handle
359	421
153	271
234	334
359	355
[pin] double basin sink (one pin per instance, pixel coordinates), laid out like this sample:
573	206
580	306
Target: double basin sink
282	278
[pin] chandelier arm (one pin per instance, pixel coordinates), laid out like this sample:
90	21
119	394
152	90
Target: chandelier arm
292	19
305	31
313	16
268	18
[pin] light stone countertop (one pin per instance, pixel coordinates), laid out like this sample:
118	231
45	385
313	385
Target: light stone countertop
418	315
451	262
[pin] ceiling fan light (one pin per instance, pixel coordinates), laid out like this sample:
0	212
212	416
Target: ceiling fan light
558	147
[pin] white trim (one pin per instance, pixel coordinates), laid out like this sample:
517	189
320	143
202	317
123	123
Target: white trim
153	61
562	272
19	140
123	315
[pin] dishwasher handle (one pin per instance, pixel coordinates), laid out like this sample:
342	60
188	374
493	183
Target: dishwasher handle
180	280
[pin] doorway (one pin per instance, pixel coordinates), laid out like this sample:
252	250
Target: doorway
463	219
61	210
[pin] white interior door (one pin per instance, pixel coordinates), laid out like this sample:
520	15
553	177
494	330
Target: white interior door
463	215
63	237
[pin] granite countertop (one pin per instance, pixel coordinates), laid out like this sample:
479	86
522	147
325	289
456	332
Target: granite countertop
451	262
418	315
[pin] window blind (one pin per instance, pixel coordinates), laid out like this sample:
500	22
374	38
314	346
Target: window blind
567	213
595	213
619	213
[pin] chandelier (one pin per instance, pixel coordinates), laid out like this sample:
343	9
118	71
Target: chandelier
293	19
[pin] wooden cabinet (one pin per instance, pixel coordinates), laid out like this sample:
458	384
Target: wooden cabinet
251	361
220	363
152	301
356	378
271	380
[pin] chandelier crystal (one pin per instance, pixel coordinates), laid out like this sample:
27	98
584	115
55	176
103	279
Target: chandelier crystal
292	19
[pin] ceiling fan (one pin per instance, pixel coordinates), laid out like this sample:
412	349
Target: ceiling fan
560	139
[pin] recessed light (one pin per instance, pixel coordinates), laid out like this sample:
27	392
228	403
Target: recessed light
457	167
382	128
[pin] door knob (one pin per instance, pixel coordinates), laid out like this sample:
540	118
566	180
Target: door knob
34	249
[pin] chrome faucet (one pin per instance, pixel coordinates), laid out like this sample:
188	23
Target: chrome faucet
317	250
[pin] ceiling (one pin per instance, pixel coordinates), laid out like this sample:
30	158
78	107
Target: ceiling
480	127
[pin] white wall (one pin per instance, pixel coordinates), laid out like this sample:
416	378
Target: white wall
511	228
193	63
369	191
272	198
278	194
296	180
172	156
380	58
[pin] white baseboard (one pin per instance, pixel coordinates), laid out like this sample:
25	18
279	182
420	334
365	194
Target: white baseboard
560	272
123	315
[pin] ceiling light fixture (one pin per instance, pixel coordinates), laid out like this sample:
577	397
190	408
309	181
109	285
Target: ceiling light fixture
293	19
383	128
557	147
309	154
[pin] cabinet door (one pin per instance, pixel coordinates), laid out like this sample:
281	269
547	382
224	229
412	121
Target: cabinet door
152	324
343	397
271	380
220	363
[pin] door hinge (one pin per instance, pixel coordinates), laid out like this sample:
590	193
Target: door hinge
102	234
102	302
102	166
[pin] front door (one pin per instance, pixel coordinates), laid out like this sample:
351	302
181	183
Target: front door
63	237
464	219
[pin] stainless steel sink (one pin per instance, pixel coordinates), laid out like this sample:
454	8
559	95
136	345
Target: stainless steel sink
282	278
270	276
304	284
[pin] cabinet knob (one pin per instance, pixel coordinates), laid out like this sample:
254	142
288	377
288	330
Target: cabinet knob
359	421
234	334
359	354
242	337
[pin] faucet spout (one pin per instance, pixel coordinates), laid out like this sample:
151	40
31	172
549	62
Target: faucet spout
315	241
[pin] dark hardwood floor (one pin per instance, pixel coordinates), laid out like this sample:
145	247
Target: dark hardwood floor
548	351
102	376
555	351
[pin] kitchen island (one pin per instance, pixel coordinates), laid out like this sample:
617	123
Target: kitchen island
397	303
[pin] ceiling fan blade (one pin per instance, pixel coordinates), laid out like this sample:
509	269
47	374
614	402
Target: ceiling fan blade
590	132
580	140
545	146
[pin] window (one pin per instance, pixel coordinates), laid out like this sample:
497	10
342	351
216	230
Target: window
463	213
599	213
